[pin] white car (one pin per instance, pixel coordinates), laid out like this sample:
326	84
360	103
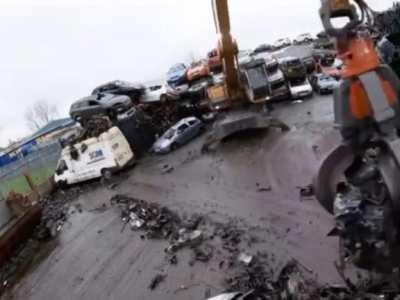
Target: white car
300	89
94	158
303	38
282	43
159	93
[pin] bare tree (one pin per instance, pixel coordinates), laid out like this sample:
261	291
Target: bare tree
40	114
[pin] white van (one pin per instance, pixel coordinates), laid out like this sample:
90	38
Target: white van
94	158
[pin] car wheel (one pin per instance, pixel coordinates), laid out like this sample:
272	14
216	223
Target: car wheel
106	174
62	184
174	146
163	98
112	114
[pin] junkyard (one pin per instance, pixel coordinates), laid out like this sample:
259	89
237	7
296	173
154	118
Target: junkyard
240	176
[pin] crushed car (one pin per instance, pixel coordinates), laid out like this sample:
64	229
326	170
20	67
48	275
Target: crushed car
120	87
276	78
179	134
254	75
197	71
100	104
323	84
159	93
279	87
263	48
303	39
214	61
176	75
281	43
293	68
93	158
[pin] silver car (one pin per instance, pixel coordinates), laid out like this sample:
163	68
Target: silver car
100	104
179	134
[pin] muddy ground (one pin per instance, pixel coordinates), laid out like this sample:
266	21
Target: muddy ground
252	180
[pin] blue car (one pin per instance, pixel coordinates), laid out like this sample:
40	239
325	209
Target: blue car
177	75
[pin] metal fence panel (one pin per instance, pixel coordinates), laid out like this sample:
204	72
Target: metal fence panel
40	165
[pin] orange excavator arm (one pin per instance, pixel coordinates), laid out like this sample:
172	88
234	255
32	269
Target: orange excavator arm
227	47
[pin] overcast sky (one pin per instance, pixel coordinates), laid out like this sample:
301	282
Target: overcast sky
59	50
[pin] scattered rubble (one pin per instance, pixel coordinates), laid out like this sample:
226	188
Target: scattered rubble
245	258
167	169
247	276
156	281
307	191
55	212
263	189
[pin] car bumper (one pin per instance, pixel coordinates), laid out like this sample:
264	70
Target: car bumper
326	90
280	94
304	94
160	150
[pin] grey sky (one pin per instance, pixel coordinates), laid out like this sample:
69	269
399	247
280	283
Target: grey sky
59	50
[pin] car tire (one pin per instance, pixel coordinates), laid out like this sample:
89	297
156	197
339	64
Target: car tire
164	98
111	113
174	146
62	184
106	174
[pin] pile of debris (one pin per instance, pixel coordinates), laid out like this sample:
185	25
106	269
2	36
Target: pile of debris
55	210
159	223
247	276
388	22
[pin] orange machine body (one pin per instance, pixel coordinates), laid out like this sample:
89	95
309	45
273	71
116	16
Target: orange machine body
360	106
359	56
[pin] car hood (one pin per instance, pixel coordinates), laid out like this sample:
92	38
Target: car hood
301	88
328	84
162	143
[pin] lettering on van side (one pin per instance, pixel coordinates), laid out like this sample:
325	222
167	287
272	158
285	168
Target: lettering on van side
96	156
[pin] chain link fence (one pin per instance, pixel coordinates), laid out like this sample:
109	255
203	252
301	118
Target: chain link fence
40	165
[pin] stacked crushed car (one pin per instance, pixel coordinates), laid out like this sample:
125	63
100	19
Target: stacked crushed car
174	111
121	120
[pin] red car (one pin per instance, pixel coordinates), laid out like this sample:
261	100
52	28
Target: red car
214	61
198	70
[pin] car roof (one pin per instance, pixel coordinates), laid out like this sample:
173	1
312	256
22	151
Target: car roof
288	58
324	76
104	96
183	121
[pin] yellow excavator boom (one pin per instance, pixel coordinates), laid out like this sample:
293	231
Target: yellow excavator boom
227	47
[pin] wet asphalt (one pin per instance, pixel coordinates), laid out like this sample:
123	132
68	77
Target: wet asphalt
253	179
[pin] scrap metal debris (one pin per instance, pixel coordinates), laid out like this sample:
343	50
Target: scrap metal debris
245	258
158	222
387	22
167	169
55	212
307	191
247	276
